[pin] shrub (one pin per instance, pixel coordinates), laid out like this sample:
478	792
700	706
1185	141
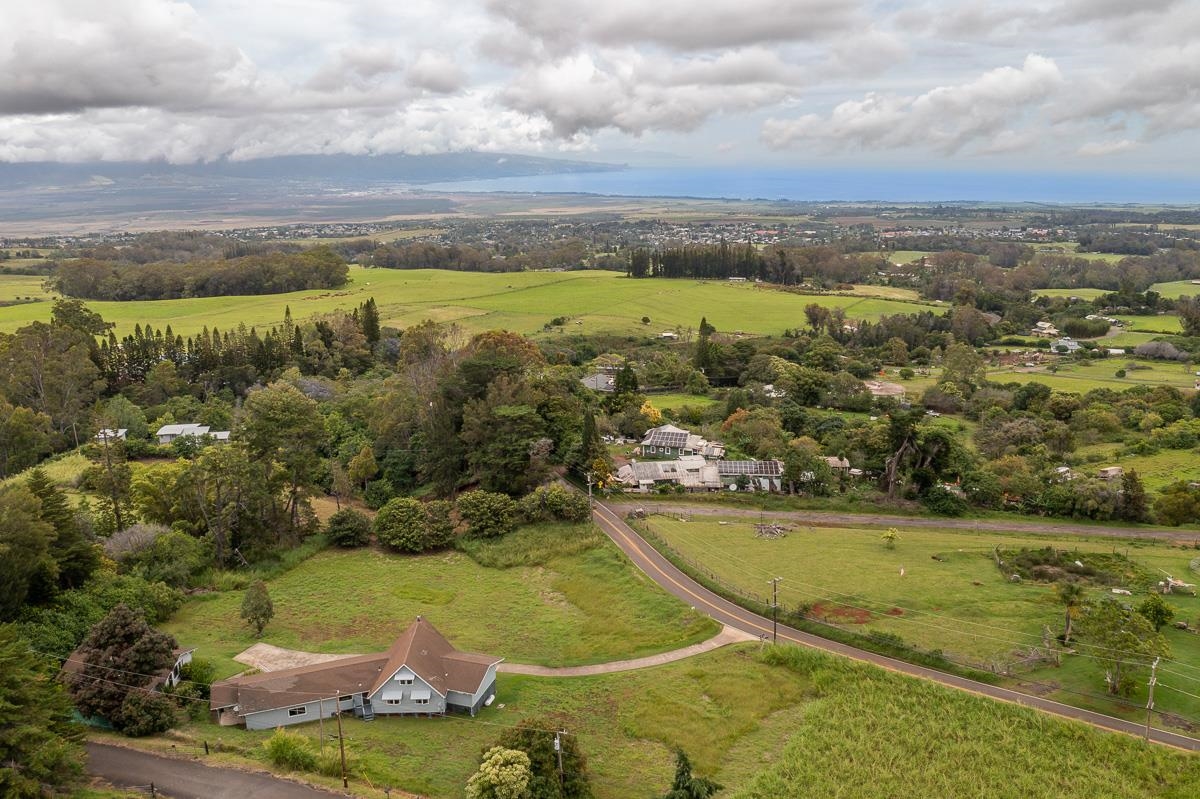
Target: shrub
487	514
554	503
348	528
944	502
291	750
378	493
144	713
401	525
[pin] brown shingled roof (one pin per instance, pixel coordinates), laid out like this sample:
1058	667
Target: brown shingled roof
420	647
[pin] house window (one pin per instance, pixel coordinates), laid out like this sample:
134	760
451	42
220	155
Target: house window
345	698
404	680
421	701
297	711
392	701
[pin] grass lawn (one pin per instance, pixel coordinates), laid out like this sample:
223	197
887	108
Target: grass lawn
584	606
904	256
1083	294
1176	289
1083	376
775	723
522	302
958	602
677	401
1157	323
1157	470
887	292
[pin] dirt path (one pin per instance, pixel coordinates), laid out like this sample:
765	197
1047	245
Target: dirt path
728	635
837	518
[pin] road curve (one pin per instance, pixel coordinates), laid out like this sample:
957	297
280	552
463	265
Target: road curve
663	572
180	778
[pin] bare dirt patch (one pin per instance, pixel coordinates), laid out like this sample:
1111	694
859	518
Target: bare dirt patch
266	657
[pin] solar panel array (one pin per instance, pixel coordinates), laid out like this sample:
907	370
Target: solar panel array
755	468
661	438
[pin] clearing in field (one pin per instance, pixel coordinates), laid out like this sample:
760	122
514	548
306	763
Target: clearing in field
1083	376
523	302
1177	288
1083	294
577	603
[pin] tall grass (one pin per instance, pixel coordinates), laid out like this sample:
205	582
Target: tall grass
532	545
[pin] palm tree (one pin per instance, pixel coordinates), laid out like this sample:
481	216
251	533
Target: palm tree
1071	596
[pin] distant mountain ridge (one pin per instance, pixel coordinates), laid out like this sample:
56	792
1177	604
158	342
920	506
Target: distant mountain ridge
355	169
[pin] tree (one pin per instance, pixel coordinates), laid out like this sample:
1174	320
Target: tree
507	440
283	429
122	656
503	774
50	370
688	786
962	366
400	525
1156	611
368	320
115	477
1132	504
363	466
439	523
487	514
890	537
27	567
348	528
533	737
76	555
1178	504
591	447
24	438
626	381
1188	309
1070	596
1122	640
40	745
257	608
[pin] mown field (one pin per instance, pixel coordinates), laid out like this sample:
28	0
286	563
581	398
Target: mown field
1176	289
521	301
1083	376
582	604
764	723
1157	470
1083	294
1158	323
937	589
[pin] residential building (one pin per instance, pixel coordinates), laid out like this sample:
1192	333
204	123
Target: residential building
837	464
169	432
110	434
168	677
1044	330
1070	344
1111	473
669	441
422	674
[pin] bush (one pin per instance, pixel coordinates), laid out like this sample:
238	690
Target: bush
944	502
378	493
290	750
348	528
487	514
144	713
401	525
554	503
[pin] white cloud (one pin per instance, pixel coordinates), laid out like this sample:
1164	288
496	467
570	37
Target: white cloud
945	119
1095	149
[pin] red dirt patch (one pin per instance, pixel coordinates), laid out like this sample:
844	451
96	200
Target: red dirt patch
895	612
841	614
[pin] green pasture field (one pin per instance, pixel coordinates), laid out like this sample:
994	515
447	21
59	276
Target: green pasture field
903	257
1083	376
770	723
1083	294
522	302
13	287
1156	471
677	401
886	292
1128	340
1176	289
581	607
1156	323
961	604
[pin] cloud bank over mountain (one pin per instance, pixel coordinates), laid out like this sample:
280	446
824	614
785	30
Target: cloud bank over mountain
984	83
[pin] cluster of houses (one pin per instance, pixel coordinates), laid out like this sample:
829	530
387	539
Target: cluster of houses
684	459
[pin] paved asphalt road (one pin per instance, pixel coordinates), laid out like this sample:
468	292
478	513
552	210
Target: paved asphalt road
663	572
179	778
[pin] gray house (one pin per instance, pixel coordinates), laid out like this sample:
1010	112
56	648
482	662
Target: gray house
422	674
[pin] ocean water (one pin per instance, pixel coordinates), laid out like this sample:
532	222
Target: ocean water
850	185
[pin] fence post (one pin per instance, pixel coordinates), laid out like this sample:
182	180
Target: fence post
206	748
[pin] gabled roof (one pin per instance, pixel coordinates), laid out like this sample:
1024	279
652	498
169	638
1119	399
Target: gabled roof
420	647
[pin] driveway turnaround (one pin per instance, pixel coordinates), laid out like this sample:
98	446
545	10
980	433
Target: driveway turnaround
180	778
663	572
728	635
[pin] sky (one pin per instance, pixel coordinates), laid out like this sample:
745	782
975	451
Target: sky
1099	86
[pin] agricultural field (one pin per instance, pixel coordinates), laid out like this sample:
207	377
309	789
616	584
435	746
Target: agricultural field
677	401
886	292
1156	471
765	723
1082	293
937	589
1157	323
1083	376
581	606
522	302
1177	289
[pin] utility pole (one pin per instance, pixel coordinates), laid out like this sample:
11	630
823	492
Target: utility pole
342	745
558	750
775	609
590	478
1150	698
